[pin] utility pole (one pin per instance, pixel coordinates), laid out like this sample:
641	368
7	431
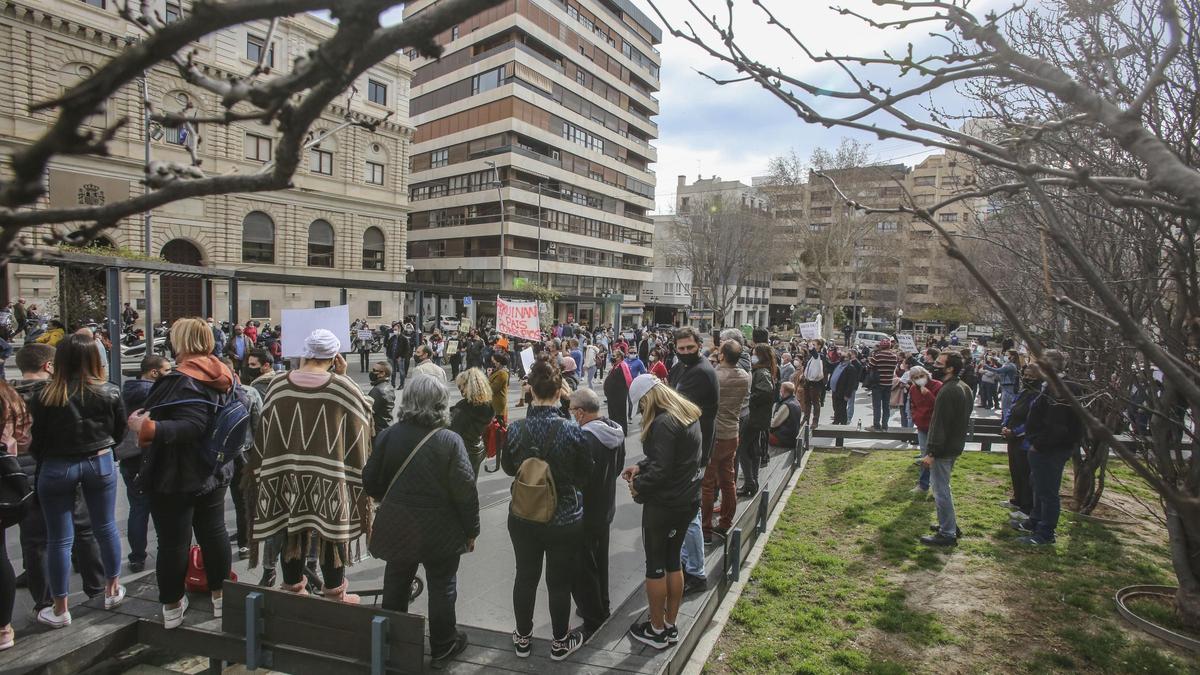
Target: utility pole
500	194
149	337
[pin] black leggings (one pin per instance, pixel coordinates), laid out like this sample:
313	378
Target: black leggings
663	530
176	517
332	574
8	583
557	545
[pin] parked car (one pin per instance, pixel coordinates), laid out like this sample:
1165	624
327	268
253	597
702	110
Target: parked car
870	338
445	324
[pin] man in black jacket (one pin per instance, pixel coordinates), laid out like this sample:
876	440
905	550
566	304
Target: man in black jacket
695	379
947	437
1053	431
606	442
399	349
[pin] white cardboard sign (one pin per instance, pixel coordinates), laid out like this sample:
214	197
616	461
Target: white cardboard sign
906	343
298	324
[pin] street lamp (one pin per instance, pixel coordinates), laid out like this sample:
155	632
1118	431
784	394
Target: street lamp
899	317
500	194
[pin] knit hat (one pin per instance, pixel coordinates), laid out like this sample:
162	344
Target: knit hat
321	344
640	385
568	364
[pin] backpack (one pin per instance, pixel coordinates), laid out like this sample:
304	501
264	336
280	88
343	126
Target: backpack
16	490
814	371
226	433
534	495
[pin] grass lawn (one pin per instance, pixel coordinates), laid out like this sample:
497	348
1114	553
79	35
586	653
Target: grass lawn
844	586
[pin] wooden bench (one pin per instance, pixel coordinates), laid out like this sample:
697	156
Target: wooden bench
321	636
840	432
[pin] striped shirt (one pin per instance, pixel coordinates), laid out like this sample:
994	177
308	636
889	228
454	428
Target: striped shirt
885	362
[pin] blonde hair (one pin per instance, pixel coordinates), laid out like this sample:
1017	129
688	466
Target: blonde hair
192	336
663	399
474	386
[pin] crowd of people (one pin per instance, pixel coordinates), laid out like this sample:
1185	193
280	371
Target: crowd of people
319	465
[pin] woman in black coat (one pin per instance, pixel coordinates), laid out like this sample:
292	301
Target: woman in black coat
430	510
616	391
471	415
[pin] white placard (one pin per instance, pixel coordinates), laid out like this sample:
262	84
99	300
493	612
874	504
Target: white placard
810	330
527	359
906	343
298	324
518	318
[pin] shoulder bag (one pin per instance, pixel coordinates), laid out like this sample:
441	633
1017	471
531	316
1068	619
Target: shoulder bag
404	532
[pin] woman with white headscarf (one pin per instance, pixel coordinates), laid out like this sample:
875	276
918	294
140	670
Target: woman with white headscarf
308	457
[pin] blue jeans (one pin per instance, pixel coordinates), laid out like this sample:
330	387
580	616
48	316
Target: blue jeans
881	405
850	407
923	441
692	555
56	483
905	414
1046	472
139	511
940	482
1007	396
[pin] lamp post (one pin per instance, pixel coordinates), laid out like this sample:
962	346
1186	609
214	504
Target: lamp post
500	194
149	283
539	233
899	317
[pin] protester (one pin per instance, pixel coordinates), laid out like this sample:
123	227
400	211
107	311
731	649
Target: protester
788	417
398	350
752	448
1013	429
667	484
788	366
237	347
570	384
543	438
471	415
133	395
54	335
15	426
258	372
77	419
425	365
319	403
429	514
605	441
1009	378
591	359
498	382
816	375
843	384
694	378
382	395
1053	431
947	437
922	393
616	390
186	494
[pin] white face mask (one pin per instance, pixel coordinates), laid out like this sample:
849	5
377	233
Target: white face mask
796	362
653	357
921	381
753	360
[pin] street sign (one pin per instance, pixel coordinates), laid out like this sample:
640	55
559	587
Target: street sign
467	301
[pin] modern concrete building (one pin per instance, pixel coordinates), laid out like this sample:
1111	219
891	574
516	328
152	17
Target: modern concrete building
668	295
344	218
531	162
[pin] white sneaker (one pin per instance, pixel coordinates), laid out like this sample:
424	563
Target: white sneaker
48	617
173	618
114	601
217	604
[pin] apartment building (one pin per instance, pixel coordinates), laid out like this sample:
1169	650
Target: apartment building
344	218
668	295
531	161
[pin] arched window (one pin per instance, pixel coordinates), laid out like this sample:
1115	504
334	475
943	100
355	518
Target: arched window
258	238
373	246
320	244
72	74
178	102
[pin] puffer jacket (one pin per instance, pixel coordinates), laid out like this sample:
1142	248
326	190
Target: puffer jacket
437	486
670	474
563	447
90	422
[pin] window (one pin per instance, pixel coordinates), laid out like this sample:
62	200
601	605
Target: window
925	181
258	238
374	173
375	307
176	102
260	309
320	304
581	76
95	3
453	37
258	147
947	217
574	133
887	226
376	92
320	161
439	158
320	244
254	50
373	249
487	80
949	181
174	13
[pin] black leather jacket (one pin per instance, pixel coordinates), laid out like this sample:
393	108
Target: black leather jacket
90	422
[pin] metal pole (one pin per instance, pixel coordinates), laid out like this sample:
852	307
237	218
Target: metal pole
114	324
500	195
146	215
539	228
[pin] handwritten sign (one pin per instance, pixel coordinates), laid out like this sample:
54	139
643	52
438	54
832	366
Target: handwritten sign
906	343
810	330
527	359
298	324
518	319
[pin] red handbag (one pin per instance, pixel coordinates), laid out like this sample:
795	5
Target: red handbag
494	438
196	581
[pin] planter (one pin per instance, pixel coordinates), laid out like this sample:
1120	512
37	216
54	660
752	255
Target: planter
1154	629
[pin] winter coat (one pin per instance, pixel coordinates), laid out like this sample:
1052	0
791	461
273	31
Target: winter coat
921	403
383	401
133	395
605	441
698	384
670	474
762	396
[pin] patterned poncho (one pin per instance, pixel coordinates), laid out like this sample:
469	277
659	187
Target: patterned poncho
305	470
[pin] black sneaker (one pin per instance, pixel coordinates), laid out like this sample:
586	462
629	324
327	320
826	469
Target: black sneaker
561	649
672	633
268	578
23	580
522	644
137	565
939	539
1020	525
645	633
439	661
721	531
708	539
694	584
938	528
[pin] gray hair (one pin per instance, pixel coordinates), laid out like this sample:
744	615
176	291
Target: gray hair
425	402
1056	359
586	400
733	334
917	371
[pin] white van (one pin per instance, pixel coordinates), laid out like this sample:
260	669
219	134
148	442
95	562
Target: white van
870	338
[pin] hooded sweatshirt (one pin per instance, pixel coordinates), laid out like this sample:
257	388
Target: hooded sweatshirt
605	440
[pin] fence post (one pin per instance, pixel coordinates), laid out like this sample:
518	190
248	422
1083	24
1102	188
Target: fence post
764	502
735	549
379	645
255	655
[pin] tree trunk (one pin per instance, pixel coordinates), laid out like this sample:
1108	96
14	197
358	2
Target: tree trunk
1089	467
1183	529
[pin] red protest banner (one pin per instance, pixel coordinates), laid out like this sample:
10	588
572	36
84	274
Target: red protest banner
518	318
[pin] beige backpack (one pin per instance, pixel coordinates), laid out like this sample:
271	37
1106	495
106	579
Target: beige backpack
534	496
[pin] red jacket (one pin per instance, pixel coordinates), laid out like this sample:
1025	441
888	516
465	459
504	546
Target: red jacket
659	370
921	403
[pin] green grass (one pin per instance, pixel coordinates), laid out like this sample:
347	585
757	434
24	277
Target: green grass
844	586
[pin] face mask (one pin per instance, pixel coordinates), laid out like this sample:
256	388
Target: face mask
939	373
753	360
689	359
796	362
653	358
248	375
921	381
1031	383
376	378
